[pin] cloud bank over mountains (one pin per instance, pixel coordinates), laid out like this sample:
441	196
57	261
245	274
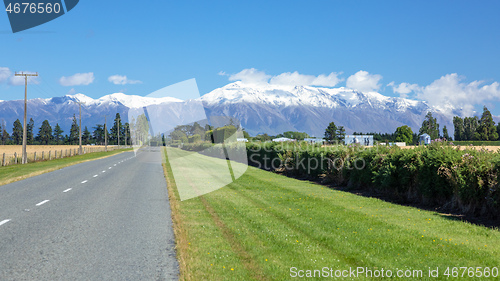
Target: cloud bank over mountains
451	91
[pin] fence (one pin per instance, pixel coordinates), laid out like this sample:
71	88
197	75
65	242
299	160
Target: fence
8	159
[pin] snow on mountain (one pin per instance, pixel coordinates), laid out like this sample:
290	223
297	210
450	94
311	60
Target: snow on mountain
265	108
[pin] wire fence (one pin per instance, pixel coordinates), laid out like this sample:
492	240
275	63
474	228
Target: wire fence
8	159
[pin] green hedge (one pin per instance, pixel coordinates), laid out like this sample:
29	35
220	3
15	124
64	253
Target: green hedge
438	174
477	143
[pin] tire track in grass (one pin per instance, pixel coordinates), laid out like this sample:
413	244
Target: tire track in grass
347	259
246	259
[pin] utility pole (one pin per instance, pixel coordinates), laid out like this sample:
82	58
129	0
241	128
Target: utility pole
25	156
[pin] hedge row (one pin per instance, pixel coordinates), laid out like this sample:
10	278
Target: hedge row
438	174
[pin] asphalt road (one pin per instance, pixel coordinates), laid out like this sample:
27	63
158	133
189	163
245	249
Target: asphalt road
107	219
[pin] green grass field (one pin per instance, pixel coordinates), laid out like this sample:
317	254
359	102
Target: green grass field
263	224
18	172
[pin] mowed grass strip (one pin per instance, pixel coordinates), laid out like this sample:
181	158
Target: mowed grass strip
261	225
13	173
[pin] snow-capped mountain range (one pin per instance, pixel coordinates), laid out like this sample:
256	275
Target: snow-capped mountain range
266	108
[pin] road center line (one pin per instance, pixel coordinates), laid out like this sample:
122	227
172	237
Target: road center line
84	181
95	176
110	168
43	202
4	222
104	171
67	190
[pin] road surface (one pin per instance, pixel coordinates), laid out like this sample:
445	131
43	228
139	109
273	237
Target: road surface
107	219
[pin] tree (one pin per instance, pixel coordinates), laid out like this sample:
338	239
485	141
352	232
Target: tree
4	135
486	130
17	132
58	134
445	133
331	132
86	136
29	131
458	123
470	128
498	130
117	127
45	133
295	135
430	126
404	134
74	132
340	133
99	134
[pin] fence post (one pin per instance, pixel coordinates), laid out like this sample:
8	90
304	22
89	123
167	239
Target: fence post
61	154
3	160
42	154
35	156
15	157
50	156
65	153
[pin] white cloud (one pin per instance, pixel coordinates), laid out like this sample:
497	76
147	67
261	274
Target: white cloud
122	80
364	81
297	79
250	76
450	90
254	76
403	89
4	74
77	79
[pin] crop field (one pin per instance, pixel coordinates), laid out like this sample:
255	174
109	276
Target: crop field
266	226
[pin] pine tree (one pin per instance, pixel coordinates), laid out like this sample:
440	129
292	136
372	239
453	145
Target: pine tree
117	127
58	134
486	130
340	133
86	136
74	132
331	132
45	133
29	131
17	133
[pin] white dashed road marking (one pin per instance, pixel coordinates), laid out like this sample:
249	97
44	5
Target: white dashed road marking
43	202
4	222
67	190
84	181
95	176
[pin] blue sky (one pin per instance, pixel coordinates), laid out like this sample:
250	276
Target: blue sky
445	51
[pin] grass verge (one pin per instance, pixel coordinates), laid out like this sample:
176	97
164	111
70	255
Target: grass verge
263	224
13	173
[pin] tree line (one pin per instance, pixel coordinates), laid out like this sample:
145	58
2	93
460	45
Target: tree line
466	129
55	136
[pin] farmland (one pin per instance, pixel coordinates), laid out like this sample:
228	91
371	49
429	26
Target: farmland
44	152
263	225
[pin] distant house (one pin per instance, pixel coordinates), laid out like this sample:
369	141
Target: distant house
314	140
283	140
242	140
366	140
424	139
